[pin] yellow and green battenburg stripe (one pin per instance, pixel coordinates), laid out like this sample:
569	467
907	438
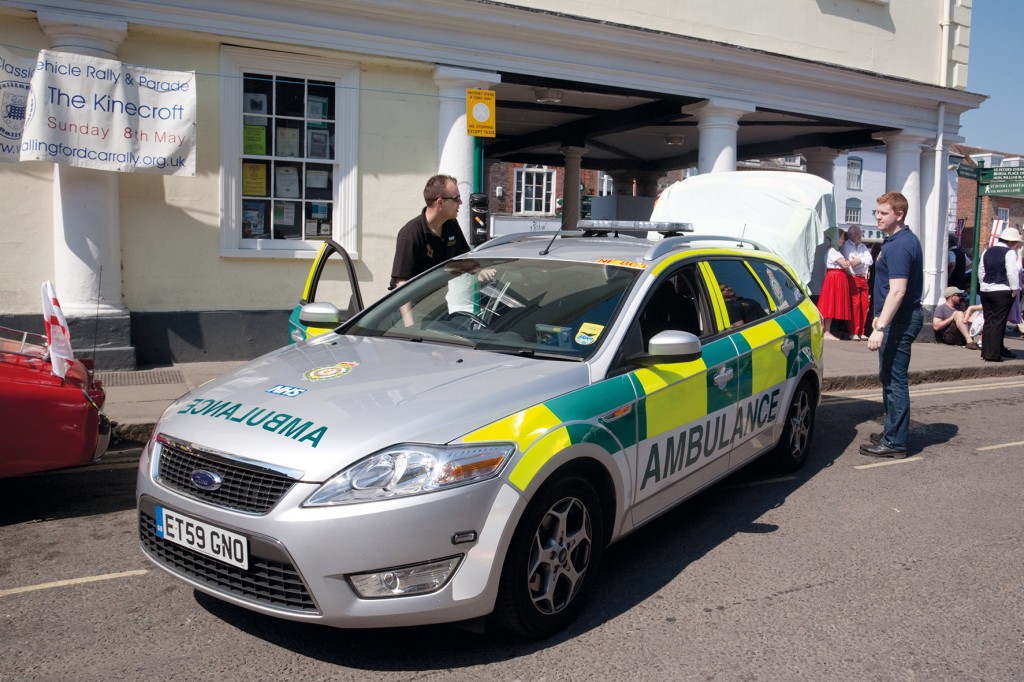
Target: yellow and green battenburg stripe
588	415
542	431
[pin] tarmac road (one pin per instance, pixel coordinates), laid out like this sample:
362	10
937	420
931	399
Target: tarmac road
853	569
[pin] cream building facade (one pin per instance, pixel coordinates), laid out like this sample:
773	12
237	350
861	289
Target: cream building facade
153	269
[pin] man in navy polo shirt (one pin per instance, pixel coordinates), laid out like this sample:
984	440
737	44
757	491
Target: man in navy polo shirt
899	281
434	235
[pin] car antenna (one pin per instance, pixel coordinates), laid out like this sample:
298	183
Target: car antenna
547	249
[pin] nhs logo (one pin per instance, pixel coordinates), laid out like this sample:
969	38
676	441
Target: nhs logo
287	391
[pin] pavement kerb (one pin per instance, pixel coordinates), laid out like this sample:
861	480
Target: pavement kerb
929	376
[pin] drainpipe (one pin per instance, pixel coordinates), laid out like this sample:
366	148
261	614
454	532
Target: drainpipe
944	51
940	201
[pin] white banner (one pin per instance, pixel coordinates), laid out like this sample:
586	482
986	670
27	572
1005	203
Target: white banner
99	113
15	75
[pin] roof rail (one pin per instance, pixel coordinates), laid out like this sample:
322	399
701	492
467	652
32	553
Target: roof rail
516	237
662	247
635	228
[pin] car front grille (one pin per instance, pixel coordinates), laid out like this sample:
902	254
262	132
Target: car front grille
266	582
246	488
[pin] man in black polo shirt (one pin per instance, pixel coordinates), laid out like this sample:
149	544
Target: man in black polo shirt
433	236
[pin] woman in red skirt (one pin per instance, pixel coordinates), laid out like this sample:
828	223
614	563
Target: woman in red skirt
834	301
861	260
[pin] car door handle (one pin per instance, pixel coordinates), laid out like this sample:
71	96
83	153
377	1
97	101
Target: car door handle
787	345
723	377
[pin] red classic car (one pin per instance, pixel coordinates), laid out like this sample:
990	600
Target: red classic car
46	422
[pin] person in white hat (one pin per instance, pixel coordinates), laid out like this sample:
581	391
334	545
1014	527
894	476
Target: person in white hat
999	284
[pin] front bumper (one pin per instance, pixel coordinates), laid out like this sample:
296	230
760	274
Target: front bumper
300	557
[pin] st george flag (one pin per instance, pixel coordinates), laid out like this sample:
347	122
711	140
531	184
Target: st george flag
997	229
58	339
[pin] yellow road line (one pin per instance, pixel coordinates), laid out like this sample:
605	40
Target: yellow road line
889	463
1001	445
74	581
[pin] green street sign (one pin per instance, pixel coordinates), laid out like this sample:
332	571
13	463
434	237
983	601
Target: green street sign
967	172
1002	174
1002	189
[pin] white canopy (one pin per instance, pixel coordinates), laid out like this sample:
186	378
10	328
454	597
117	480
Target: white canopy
789	213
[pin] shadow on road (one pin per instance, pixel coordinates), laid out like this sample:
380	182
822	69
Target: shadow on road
96	489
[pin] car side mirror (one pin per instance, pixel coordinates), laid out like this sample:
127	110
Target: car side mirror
669	346
320	314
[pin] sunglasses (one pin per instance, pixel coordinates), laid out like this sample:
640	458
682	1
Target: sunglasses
455	198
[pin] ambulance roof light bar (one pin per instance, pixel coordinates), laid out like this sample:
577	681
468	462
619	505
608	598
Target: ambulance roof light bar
632	227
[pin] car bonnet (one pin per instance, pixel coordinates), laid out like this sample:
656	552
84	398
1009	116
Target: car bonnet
318	406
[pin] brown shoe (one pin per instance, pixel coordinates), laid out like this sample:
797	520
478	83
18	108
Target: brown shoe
971	345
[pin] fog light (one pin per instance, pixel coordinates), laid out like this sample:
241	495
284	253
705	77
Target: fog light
406	580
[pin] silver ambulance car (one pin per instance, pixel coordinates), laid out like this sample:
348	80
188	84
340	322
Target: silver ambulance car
468	445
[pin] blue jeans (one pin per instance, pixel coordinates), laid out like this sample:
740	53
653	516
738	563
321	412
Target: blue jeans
893	370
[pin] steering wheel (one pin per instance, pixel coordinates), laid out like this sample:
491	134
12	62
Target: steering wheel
473	317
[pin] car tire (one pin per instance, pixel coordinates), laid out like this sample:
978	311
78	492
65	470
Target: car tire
552	560
795	445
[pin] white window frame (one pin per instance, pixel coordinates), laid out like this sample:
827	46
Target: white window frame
345	75
1004	215
854	172
549	190
853	211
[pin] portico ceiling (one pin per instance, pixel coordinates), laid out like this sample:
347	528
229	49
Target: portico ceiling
625	129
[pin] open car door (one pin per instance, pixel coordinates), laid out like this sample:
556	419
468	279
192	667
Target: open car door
331	294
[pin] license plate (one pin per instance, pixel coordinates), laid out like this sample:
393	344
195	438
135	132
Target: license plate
220	544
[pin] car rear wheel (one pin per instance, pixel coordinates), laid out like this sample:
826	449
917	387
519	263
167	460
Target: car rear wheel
552	559
795	444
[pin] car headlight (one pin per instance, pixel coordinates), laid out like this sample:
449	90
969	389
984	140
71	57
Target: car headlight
412	469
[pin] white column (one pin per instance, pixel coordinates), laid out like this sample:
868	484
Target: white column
903	171
455	148
86	217
717	123
571	186
934	242
821	161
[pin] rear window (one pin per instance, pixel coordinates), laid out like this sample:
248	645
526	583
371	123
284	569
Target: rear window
785	292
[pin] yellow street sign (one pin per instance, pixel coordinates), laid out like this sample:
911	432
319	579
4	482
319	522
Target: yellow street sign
480	113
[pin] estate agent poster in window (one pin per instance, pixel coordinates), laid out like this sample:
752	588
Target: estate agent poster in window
318	143
254	219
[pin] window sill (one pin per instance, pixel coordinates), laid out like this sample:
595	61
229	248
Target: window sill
268	249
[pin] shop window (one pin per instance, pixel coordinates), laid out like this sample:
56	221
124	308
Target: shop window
854	172
534	191
853	211
288	153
